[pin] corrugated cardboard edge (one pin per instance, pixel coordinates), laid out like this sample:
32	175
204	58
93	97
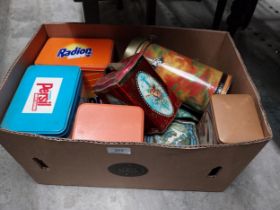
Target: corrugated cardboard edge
55	139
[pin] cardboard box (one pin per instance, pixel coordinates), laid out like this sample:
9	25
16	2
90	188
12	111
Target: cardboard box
61	161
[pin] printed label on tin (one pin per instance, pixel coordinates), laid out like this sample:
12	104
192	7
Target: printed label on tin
43	95
74	51
119	150
154	94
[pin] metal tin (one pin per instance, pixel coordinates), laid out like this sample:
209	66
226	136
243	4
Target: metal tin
191	81
45	101
88	54
184	114
230	119
106	122
91	55
179	133
135	46
90	78
136	83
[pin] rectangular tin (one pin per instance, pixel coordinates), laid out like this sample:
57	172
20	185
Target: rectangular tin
106	122
45	101
88	54
91	55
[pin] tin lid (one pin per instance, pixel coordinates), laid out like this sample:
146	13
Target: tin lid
107	122
45	101
135	46
236	118
88	54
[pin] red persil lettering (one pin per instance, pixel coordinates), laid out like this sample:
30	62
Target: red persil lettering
42	97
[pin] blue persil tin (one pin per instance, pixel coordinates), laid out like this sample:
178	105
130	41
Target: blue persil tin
45	101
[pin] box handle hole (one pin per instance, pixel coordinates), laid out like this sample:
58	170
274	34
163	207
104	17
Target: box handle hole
41	164
214	172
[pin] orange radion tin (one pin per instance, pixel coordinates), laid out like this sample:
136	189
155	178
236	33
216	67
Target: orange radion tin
88	54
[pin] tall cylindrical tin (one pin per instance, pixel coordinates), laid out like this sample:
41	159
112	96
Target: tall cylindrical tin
191	81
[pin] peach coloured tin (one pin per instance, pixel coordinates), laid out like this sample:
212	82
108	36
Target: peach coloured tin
106	122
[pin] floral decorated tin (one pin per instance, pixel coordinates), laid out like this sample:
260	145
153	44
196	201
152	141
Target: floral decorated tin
191	81
136	83
179	133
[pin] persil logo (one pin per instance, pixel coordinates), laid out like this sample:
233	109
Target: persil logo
74	51
43	95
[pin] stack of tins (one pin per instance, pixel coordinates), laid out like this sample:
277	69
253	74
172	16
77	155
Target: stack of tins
91	55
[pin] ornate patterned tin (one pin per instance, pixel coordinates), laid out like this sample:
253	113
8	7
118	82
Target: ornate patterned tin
137	84
191	81
179	133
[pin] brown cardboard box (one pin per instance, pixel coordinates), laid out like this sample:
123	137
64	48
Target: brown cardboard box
65	162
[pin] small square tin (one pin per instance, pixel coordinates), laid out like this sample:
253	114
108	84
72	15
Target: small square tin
106	122
45	101
234	119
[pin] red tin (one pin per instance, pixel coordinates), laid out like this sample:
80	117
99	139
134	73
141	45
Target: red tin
136	83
